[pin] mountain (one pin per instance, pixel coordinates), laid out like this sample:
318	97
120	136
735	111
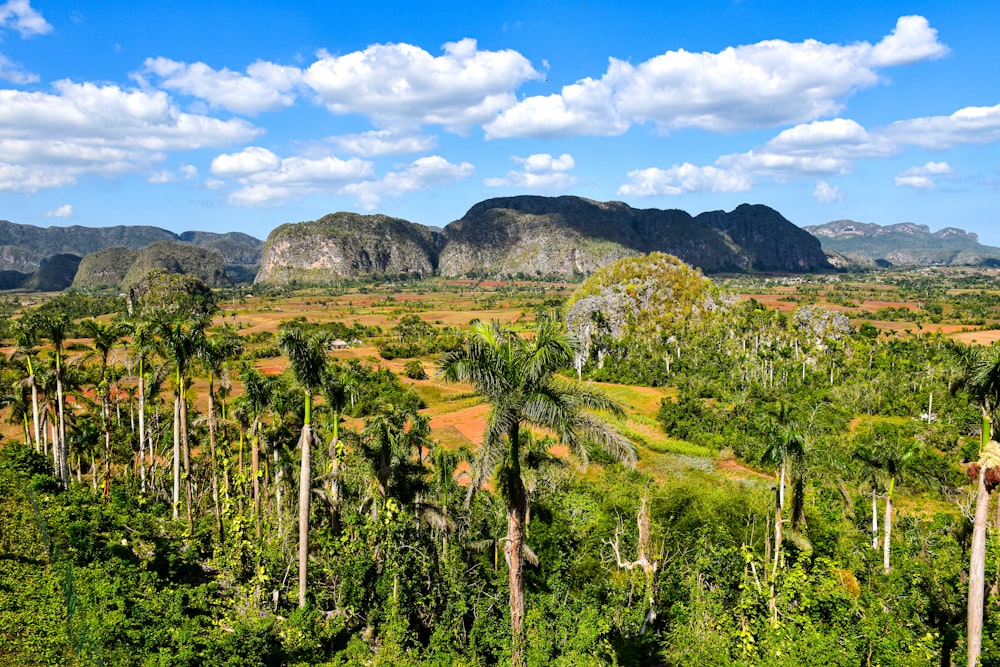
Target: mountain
867	244
537	236
571	235
24	247
347	245
123	268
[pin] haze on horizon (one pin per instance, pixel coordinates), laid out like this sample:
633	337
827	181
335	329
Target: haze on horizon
239	118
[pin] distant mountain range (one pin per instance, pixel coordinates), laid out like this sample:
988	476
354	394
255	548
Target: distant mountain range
47	258
848	243
527	236
532	236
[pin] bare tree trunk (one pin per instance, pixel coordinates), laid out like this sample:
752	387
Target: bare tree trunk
177	457
186	445
888	529
517	502
63	449
215	473
305	489
142	432
255	472
874	520
34	414
977	570
515	560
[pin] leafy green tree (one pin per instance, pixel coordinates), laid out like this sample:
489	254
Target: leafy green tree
56	328
307	360
516	376
25	339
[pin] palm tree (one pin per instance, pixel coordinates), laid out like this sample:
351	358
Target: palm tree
980	368
786	444
142	346
307	359
103	338
516	376
335	392
55	327
180	341
257	391
213	353
25	338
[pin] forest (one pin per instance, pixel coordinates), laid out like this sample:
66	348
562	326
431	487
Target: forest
647	467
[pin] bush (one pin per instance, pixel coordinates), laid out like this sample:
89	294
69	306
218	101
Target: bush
414	370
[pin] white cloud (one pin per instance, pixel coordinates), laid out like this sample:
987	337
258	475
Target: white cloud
585	107
826	193
922	178
64	211
161	177
403	86
249	161
684	178
19	15
747	87
189	171
265	87
14	73
911	40
267	180
970	125
50	139
382	142
539	172
418	175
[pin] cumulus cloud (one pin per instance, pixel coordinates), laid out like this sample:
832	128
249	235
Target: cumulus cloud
540	171
264	87
826	193
64	211
922	178
269	180
970	125
382	142
684	178
769	83
418	175
20	16
49	139
402	86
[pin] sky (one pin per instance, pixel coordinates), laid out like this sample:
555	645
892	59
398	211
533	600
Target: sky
223	116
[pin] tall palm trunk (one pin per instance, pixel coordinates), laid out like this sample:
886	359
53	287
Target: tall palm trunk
186	447
255	472
977	570
888	526
34	408
305	489
142	428
215	472
177	456
977	559
516	513
63	449
874	520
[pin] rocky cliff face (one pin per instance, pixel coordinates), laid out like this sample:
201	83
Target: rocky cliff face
347	245
567	235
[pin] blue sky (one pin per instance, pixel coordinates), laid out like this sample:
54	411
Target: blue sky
223	116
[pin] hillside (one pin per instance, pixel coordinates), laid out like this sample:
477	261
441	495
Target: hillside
347	245
572	235
903	244
537	236
25	247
